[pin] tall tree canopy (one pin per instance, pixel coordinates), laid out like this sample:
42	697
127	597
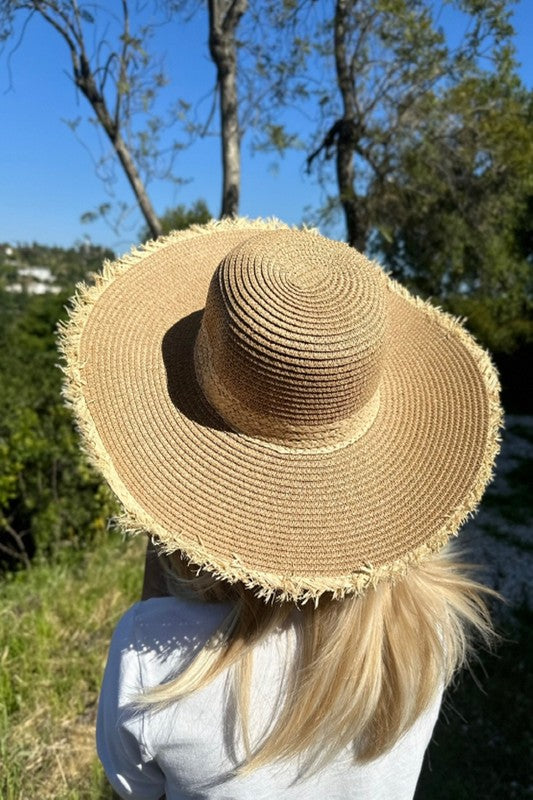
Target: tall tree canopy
455	219
386	58
423	140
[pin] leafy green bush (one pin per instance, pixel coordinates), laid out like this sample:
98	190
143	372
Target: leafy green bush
50	498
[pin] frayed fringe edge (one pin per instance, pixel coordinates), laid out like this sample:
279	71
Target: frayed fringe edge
268	586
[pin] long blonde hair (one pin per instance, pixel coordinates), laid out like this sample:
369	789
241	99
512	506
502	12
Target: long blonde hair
365	667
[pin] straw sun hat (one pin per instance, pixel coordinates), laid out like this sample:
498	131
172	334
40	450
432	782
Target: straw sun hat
276	407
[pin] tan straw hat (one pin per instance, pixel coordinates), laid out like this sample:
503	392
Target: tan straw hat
273	405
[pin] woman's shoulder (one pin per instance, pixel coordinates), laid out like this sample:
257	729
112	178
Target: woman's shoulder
161	627
159	612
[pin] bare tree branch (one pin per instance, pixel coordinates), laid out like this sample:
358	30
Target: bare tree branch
20	554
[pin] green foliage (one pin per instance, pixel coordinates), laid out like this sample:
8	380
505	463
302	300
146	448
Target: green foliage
387	59
180	217
454	221
430	143
276	137
50	499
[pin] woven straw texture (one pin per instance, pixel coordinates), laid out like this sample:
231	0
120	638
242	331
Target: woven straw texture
274	405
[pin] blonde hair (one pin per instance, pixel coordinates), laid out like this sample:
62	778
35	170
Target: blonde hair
365	667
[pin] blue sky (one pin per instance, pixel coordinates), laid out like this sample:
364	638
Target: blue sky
48	178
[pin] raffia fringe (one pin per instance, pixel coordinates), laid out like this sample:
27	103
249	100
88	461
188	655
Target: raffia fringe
266	585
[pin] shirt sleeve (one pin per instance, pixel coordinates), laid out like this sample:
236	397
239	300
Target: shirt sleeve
130	768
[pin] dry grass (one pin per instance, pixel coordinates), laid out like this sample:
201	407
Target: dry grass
55	626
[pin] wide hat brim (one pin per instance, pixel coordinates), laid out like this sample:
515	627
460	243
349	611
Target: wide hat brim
290	524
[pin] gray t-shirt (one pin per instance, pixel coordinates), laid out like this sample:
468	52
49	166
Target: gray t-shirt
185	750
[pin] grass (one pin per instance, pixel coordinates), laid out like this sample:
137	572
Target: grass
55	625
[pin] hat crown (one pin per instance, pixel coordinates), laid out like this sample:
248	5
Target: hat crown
292	339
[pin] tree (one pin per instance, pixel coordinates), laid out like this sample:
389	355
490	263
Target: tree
118	81
455	220
387	58
431	144
50	497
252	73
224	18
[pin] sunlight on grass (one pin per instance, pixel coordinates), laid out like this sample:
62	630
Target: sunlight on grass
55	626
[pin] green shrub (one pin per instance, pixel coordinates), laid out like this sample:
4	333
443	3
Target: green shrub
50	498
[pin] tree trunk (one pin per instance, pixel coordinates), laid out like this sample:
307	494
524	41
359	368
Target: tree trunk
132	174
224	18
355	229
86	83
137	185
347	131
231	157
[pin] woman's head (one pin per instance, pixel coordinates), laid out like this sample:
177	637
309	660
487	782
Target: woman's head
276	407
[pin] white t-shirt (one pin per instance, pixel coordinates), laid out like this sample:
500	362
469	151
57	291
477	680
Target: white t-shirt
184	751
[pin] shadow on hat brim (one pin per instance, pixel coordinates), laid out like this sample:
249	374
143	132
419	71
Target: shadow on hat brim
289	525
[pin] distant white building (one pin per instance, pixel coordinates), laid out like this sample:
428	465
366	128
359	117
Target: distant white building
34	280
